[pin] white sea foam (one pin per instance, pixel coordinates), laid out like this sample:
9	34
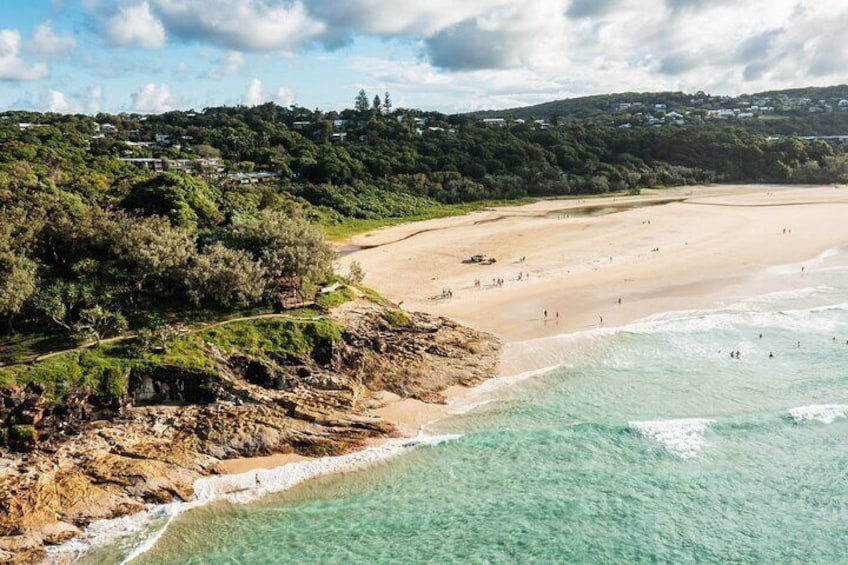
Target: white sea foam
824	413
683	438
809	265
484	393
245	487
799	320
237	489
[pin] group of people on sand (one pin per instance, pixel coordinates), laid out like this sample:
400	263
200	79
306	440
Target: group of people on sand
447	293
545	314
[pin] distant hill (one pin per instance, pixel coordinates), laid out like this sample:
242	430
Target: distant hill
610	106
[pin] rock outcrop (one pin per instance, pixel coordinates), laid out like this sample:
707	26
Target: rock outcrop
95	458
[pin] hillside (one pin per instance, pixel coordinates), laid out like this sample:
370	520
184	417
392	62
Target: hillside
798	111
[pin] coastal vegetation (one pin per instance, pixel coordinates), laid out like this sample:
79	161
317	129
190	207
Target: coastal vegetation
121	225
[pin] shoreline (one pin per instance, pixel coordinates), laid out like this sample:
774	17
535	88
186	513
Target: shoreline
733	276
594	281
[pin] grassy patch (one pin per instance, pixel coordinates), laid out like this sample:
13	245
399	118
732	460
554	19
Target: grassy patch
375	297
105	369
335	298
96	369
352	226
273	336
24	346
395	318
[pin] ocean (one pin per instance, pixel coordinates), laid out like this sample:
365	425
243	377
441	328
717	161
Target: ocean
648	443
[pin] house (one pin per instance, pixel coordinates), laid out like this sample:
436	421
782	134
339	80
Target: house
107	129
155	165
499	122
162	139
252	178
339	137
300	124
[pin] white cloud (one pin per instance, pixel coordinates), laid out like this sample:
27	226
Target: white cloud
229	63
285	96
92	98
245	25
12	67
47	43
153	98
255	94
134	25
491	53
57	102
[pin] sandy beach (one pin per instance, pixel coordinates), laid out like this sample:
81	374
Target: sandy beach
590	263
599	261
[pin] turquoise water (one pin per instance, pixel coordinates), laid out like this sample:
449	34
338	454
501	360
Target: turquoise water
649	444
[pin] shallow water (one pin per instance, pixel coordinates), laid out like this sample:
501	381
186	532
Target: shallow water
647	444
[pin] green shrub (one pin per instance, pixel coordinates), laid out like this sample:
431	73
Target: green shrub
22	437
395	318
113	382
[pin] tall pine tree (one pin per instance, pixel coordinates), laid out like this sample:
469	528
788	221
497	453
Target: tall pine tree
361	105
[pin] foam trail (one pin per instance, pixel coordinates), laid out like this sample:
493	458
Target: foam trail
482	394
237	489
248	486
824	413
683	438
809	265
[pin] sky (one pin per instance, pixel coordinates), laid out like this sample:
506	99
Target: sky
150	56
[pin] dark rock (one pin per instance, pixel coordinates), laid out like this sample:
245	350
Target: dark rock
174	385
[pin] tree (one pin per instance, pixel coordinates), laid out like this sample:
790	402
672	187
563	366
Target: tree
293	252
101	323
152	253
228	277
207	151
187	201
387	103
62	300
18	282
377	105
361	105
356	274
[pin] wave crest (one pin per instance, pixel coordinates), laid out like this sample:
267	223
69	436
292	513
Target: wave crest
683	437
824	413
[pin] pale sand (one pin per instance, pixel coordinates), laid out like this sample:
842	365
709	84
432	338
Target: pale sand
713	243
715	238
244	464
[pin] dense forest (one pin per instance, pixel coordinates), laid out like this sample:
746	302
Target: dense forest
107	221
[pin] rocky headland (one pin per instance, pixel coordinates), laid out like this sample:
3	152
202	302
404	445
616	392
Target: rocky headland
94	456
